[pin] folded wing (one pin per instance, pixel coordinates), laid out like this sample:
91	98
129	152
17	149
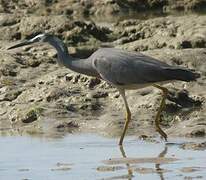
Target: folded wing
125	68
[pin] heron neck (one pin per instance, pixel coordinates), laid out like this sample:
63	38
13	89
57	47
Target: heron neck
62	51
83	66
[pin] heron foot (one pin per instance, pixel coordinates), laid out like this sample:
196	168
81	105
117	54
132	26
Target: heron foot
163	134
162	106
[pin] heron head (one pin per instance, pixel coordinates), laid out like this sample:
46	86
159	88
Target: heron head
38	38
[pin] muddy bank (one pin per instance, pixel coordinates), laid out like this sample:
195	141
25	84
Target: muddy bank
39	97
85	8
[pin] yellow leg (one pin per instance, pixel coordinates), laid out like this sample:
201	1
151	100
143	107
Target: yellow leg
162	105
128	117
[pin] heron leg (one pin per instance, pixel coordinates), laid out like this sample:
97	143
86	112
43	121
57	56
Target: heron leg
128	117
162	105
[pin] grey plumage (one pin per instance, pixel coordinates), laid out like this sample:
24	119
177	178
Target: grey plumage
126	68
122	69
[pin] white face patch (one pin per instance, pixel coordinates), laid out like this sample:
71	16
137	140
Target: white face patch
37	37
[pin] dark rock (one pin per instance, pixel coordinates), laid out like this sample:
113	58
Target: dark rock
10	95
76	78
8	70
70	124
91	106
67	126
71	108
100	94
182	98
69	77
185	44
33	62
93	82
199	43
31	115
56	93
198	132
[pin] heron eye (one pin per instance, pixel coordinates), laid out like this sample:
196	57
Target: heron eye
38	39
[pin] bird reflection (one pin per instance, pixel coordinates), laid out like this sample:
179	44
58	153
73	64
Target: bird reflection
158	169
130	168
130	174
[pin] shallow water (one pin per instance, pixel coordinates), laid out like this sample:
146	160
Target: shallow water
90	156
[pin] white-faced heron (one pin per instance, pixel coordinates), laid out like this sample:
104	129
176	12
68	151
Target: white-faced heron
122	69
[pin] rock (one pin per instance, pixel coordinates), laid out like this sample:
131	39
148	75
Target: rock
8	71
41	24
76	78
8	19
71	108
10	95
18	116
55	94
100	95
93	82
69	77
33	62
198	132
184	44
32	115
70	124
167	32
181	98
67	126
90	106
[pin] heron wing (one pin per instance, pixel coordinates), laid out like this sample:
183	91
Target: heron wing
124	68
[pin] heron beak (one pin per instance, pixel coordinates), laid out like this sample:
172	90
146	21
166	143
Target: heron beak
24	43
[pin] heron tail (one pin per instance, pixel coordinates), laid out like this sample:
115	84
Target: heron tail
183	74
